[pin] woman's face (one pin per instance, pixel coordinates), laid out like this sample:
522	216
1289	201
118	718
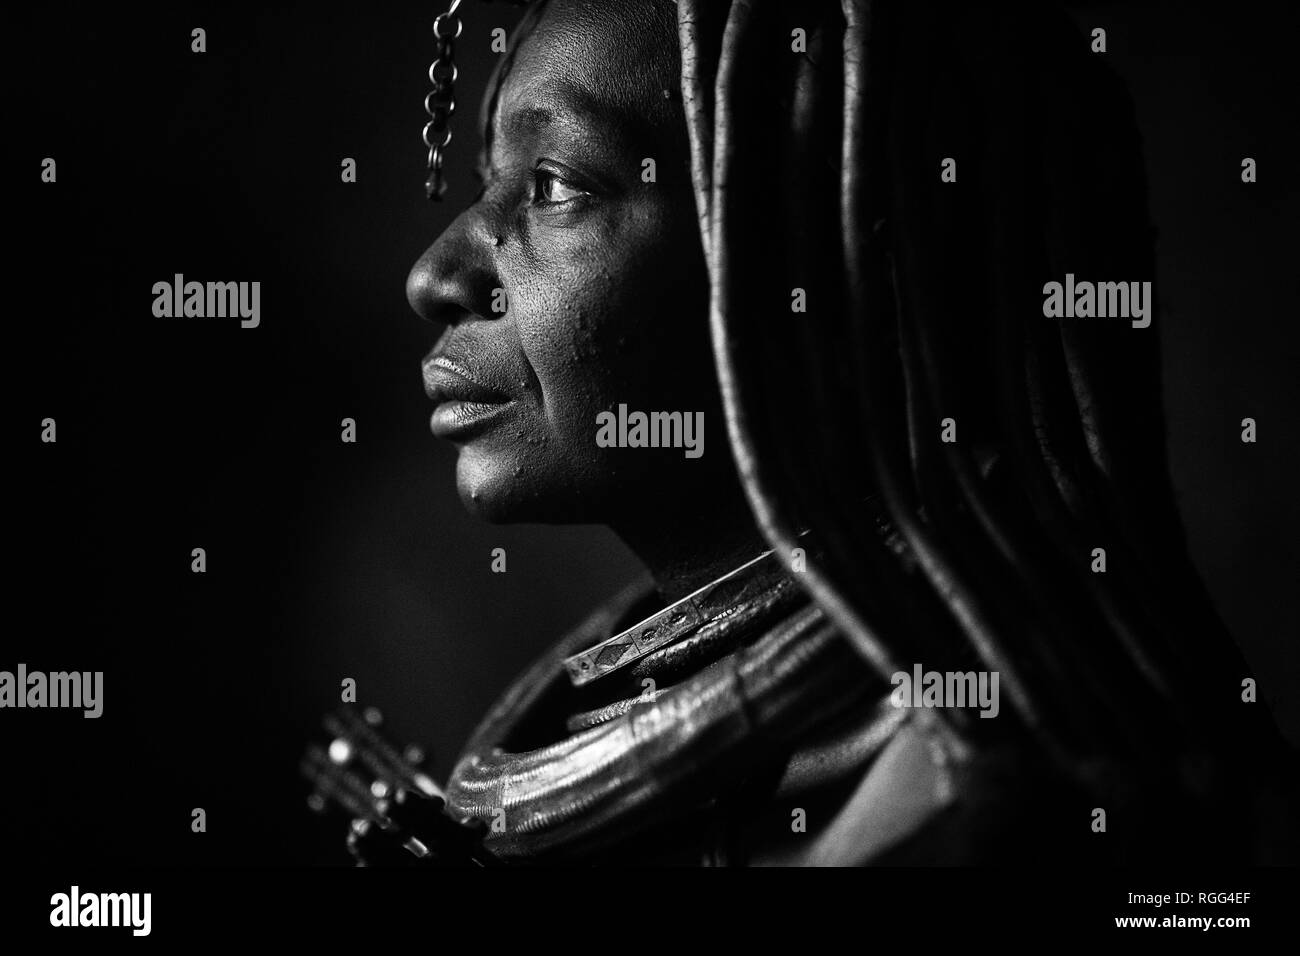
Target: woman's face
572	284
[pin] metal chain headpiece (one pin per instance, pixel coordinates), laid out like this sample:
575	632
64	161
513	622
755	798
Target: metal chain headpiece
441	101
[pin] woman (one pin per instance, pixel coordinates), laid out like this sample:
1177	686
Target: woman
826	231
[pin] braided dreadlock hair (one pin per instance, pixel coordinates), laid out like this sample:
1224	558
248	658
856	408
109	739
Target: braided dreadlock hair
819	170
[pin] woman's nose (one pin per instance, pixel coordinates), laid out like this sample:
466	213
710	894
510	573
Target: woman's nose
456	277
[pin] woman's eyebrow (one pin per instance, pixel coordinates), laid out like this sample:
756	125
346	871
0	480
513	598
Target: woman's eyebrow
573	110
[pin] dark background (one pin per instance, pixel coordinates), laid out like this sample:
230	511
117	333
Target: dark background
328	560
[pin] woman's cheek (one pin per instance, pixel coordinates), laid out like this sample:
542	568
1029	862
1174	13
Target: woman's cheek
598	324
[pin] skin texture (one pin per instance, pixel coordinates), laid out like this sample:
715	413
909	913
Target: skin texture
606	297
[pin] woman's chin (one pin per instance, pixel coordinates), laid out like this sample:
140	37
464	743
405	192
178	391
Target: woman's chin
500	489
487	486
506	489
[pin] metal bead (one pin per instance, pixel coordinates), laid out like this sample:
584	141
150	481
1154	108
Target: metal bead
340	751
435	187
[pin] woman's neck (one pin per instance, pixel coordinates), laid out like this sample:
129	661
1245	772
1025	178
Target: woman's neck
687	548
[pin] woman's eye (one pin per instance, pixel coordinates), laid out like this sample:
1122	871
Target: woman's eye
552	189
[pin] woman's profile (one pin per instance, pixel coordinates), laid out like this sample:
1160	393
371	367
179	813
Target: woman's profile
762	286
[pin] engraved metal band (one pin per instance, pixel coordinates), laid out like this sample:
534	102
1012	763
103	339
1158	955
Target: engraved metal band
714	601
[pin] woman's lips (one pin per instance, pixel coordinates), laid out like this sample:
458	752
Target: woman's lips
464	405
462	420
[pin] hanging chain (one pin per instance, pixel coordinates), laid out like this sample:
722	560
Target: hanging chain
441	101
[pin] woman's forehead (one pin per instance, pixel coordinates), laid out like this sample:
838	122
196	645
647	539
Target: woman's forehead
606	59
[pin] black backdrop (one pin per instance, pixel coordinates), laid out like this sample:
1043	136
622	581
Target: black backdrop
328	560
